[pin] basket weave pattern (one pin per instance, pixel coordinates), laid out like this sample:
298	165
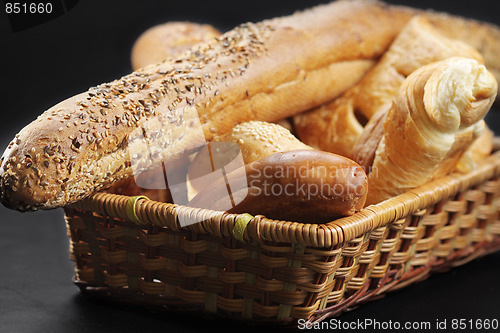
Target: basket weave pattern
280	271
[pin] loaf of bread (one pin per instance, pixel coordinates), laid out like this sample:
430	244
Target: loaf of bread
253	72
336	126
437	114
298	185
265	71
169	40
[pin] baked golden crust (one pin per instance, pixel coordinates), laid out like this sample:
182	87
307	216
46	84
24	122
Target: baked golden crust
253	72
366	146
266	71
168	40
258	139
342	121
253	139
436	116
298	185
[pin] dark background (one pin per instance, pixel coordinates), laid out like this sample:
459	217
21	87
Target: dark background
91	44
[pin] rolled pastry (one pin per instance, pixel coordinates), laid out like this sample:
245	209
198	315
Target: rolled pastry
436	115
336	126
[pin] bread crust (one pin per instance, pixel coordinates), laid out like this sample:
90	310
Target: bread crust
436	116
366	146
478	150
341	122
168	40
265	71
298	185
254	140
258	139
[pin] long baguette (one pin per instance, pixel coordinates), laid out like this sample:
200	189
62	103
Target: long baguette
265	71
262	71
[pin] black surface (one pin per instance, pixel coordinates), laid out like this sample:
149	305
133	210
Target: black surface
91	44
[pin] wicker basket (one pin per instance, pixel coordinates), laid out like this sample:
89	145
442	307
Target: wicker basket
134	250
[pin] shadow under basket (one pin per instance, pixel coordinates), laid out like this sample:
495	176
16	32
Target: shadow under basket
135	251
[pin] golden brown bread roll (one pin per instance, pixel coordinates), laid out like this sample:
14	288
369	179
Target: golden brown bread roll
169	40
336	126
258	139
253	72
299	185
437	114
254	140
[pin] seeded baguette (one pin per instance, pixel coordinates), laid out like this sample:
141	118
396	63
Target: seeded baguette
265	71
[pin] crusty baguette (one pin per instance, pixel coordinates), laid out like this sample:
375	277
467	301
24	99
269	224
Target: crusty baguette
298	185
437	114
265	71
168	40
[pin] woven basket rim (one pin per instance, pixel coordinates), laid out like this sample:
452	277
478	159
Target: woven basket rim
261	229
